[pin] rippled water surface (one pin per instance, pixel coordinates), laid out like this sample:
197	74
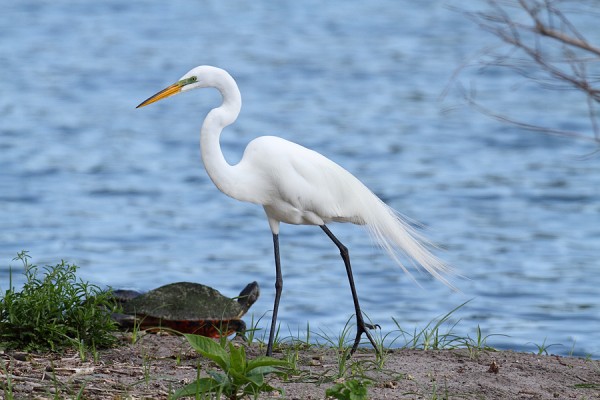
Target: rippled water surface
121	192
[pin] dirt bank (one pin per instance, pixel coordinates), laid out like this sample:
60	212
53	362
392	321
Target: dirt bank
157	365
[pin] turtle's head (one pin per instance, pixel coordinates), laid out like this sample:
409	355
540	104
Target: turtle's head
248	295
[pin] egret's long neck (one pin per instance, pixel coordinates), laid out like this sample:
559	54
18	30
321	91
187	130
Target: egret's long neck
221	173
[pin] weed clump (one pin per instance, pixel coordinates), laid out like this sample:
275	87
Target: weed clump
55	311
238	377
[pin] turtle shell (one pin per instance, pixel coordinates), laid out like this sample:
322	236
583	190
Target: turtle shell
187	301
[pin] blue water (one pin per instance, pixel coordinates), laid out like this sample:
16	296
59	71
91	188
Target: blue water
121	192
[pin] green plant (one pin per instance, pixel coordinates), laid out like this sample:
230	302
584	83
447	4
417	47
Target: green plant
55	311
352	389
136	331
146	366
431	337
587	385
238	378
433	392
7	387
277	340
572	351
250	334
292	354
382	354
437	393
543	348
342	348
298	340
478	344
307	337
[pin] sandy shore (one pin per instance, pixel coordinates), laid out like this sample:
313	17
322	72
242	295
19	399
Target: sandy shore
157	365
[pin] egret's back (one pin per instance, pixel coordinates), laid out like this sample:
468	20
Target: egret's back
304	187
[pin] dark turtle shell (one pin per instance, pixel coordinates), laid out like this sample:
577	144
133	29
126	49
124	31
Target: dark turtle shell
187	308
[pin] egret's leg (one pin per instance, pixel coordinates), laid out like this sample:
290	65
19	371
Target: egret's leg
361	327
278	288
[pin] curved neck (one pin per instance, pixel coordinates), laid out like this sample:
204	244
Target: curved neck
220	172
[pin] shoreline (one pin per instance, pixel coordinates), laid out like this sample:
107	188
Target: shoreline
157	365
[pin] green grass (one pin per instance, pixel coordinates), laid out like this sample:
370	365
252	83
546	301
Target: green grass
342	344
55	311
542	349
250	334
437	334
351	376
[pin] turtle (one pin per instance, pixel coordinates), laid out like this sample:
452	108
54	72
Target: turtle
186	307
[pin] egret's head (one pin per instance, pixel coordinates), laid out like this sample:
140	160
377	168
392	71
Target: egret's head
199	77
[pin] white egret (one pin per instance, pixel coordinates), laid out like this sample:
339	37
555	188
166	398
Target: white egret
296	185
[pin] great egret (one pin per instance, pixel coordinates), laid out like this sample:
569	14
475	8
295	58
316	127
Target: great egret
296	185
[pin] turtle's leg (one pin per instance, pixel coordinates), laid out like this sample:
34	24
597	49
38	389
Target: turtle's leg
239	327
361	326
278	288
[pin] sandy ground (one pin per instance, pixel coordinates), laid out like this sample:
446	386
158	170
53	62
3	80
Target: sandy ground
157	365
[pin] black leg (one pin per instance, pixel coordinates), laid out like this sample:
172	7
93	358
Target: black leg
278	287
361	327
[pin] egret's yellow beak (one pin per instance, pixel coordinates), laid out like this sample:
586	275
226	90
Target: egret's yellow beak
170	91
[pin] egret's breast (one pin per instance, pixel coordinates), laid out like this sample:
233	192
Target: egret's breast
285	212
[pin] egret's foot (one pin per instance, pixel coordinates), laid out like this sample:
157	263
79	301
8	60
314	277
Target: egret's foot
362	327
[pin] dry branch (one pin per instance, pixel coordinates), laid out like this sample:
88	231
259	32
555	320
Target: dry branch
544	47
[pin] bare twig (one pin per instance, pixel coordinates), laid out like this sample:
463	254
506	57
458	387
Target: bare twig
545	47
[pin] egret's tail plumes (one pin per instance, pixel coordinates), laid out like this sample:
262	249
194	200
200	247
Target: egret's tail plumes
392	232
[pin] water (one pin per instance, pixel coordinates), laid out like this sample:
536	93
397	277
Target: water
121	192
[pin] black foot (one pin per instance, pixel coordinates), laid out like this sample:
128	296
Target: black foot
362	327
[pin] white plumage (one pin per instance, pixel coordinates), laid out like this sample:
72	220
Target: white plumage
296	185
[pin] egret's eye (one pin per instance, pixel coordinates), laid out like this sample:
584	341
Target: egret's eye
187	81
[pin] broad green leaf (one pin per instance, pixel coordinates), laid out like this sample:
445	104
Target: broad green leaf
257	379
350	390
219	377
239	378
264	361
200	386
209	349
238	358
266	370
269	388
